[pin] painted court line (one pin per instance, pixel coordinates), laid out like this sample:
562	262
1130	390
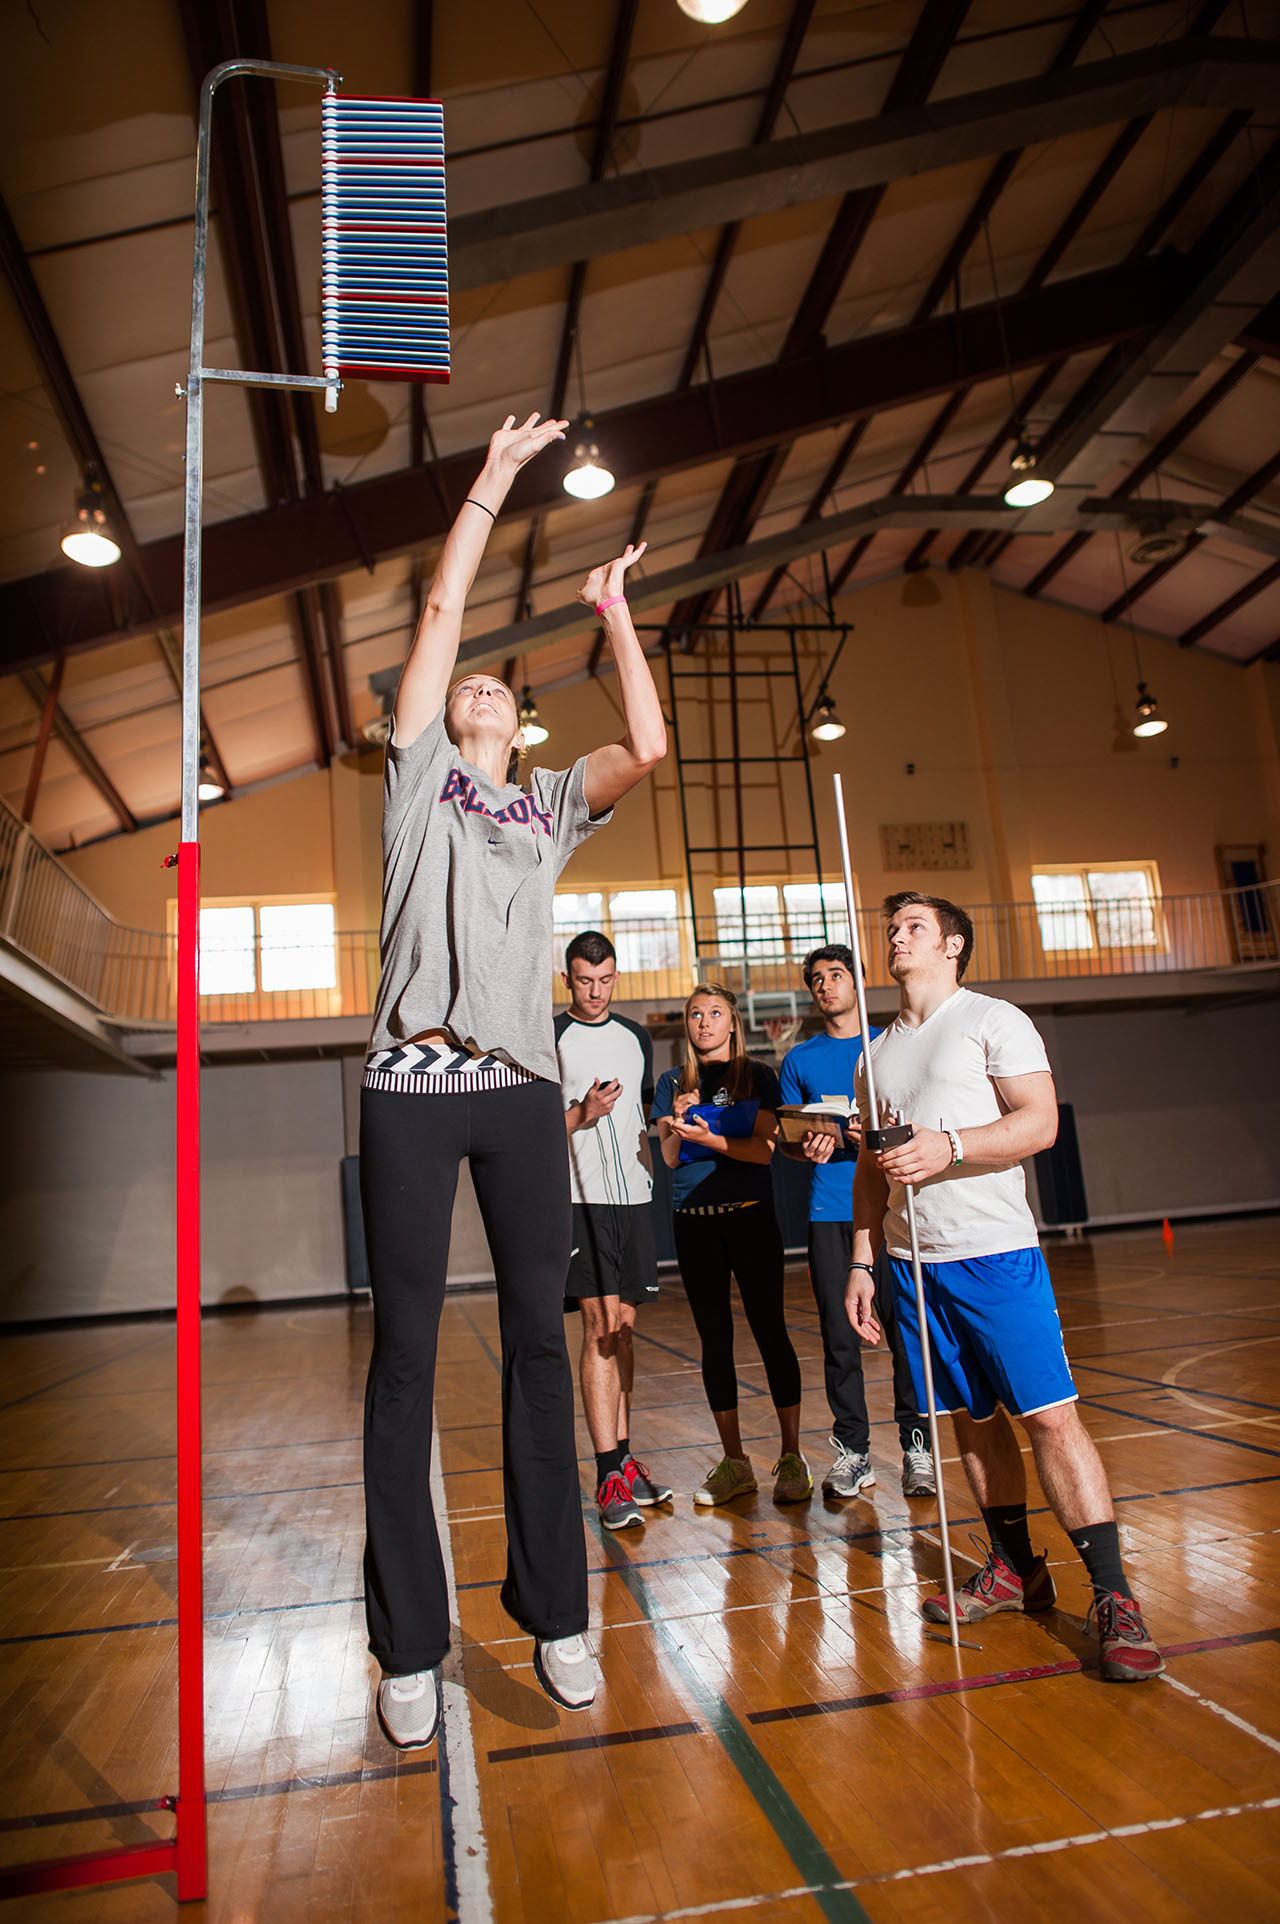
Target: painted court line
465	1850
978	1861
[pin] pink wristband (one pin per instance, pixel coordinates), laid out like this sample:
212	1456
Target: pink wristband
611	603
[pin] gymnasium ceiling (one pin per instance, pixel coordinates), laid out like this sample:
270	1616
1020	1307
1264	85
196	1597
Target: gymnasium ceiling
966	214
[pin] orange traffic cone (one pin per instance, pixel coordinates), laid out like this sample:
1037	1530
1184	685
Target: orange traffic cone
1167	1234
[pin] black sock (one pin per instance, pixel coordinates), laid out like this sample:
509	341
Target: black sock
624	1444
608	1461
1099	1546
1007	1528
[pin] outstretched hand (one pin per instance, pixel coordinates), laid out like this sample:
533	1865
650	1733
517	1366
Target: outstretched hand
513	445
607	580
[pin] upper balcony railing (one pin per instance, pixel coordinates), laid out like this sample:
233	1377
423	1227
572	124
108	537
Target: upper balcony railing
129	974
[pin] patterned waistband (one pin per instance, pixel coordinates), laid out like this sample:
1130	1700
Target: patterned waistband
716	1209
435	1069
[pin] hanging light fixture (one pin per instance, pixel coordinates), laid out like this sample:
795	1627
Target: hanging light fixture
532	728
1150	721
88	539
827	726
588	477
208	787
711	12
1027	487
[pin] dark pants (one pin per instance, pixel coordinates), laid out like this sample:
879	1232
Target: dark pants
747	1245
830	1250
410	1148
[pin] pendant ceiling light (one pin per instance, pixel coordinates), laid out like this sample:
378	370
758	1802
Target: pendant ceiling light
208	787
532	728
1150	721
711	12
588	477
1026	487
88	539
827	726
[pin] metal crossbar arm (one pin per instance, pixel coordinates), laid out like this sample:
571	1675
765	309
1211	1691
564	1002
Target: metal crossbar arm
242	377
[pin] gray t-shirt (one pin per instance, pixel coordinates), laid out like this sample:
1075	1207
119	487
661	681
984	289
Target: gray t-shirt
469	875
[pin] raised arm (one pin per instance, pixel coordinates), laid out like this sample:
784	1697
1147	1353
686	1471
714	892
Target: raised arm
614	769
421	693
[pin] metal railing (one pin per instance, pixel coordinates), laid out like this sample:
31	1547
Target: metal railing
128	974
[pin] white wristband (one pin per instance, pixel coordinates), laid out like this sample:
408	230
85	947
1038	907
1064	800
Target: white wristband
957	1147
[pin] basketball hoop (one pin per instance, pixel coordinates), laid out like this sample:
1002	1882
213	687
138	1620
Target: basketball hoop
782	1030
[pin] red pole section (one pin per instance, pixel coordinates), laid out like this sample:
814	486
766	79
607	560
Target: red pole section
191	1841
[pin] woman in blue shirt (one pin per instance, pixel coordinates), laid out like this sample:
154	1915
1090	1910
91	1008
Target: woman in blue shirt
726	1227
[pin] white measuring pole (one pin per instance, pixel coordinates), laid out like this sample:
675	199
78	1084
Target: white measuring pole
874	1139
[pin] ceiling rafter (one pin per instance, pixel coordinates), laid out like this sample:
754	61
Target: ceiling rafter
749	485
1225	609
275	550
83	441
966	551
624	23
1252	485
73	741
1185	425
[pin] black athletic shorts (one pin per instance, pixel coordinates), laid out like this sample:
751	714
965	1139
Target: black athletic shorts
613	1253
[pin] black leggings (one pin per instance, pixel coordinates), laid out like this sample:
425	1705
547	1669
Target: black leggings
410	1148
748	1243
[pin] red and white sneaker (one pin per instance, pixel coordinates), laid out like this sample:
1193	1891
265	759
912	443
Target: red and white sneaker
641	1485
997	1586
1126	1653
617	1506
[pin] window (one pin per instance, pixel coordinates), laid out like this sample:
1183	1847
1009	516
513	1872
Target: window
806	904
644	925
268	947
760	932
1114	905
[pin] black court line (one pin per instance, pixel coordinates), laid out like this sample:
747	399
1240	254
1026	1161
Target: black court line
960	1686
1182	1429
89	1369
168	1456
230	1794
169	1623
606	1740
1191	1389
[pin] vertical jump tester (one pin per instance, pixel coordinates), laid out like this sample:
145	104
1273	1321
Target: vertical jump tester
385	316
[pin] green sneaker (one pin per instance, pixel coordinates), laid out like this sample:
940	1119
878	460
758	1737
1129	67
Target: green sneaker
731	1477
792	1479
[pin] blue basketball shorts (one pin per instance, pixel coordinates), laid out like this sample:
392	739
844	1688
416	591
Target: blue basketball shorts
994	1332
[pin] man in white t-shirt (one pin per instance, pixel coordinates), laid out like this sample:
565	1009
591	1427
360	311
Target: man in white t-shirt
971	1076
606	1077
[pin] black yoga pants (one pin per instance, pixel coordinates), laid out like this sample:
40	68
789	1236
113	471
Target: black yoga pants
747	1245
410	1148
830	1250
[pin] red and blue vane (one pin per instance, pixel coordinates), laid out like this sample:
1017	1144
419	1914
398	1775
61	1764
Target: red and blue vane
385	311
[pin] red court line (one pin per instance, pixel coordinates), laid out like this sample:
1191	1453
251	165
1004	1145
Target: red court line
958	1686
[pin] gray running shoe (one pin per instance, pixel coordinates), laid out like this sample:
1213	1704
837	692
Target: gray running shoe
409	1709
645	1489
731	1477
849	1473
917	1468
793	1481
566	1669
618	1509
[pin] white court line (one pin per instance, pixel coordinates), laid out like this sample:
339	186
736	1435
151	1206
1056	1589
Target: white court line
1220	1710
977	1862
471	1865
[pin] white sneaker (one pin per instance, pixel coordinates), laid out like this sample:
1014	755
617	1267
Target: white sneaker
849	1473
409	1709
917	1468
567	1671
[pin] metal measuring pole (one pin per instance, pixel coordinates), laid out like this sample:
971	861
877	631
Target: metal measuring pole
890	1137
191	1843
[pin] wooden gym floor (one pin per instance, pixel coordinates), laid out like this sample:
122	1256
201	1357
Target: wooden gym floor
777	1739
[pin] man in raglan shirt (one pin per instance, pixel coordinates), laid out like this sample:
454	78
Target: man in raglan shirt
606	1075
821	1066
971	1076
